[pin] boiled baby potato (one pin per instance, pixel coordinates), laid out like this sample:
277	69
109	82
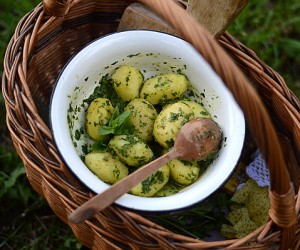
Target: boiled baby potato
127	82
198	109
142	117
184	172
131	149
164	87
153	183
108	168
98	114
169	121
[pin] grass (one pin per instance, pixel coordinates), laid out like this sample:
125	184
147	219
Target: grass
271	29
26	222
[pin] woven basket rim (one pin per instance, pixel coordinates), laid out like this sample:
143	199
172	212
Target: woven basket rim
33	140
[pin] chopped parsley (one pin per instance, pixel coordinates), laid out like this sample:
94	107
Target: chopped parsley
157	177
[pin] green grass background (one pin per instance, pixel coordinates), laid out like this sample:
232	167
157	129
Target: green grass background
270	28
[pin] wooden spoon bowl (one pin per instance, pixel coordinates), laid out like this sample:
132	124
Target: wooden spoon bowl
198	139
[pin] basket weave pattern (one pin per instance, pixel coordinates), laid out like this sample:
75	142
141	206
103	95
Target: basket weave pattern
47	37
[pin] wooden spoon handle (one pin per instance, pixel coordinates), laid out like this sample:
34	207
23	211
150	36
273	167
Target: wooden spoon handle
106	198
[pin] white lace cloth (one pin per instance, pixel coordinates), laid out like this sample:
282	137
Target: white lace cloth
258	170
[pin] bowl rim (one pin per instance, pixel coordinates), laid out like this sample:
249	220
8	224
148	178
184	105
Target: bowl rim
122	200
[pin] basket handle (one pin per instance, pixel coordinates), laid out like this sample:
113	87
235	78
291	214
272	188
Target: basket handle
282	209
57	7
282	193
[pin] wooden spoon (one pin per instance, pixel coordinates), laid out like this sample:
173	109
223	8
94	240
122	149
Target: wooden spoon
195	141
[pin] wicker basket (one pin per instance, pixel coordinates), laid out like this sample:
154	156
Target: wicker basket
44	42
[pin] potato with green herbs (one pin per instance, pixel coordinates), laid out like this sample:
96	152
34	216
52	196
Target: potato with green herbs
164	87
169	121
184	172
153	183
198	109
98	114
131	150
108	168
127	82
167	190
142	117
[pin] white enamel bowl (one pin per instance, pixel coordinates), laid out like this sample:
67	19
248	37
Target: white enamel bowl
153	53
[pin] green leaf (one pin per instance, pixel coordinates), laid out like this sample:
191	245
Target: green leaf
121	119
290	46
10	181
99	146
124	125
119	124
115	115
105	130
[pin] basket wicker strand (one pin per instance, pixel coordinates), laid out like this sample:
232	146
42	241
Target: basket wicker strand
47	37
